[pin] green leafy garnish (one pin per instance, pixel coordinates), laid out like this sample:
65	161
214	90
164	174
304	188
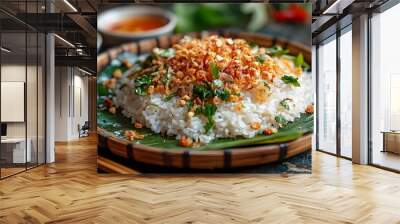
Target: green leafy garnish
223	94
284	103
167	53
276	51
261	58
169	97
214	70
199	110
252	44
189	104
208	110
280	119
291	80
266	85
209	125
167	77
142	83
254	47
299	62
202	91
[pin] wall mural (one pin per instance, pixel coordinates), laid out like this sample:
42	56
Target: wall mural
205	88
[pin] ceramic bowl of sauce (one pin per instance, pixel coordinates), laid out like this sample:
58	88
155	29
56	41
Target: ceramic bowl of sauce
132	23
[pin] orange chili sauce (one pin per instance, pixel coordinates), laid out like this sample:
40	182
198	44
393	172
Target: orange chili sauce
138	24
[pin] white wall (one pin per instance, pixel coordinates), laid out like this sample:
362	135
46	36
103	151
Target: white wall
17	73
71	94
14	73
33	127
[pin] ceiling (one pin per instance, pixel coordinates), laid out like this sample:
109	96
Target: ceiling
73	20
330	15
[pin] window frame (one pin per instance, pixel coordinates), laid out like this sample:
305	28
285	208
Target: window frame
334	37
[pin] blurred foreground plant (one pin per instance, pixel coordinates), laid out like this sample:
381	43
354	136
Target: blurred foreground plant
203	16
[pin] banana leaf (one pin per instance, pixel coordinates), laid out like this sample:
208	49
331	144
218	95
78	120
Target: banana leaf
117	124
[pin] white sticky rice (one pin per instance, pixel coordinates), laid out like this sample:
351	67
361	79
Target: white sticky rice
168	118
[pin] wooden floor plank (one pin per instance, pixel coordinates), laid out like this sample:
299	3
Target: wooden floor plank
71	191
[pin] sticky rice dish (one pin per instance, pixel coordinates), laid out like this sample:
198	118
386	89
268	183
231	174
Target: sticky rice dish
202	89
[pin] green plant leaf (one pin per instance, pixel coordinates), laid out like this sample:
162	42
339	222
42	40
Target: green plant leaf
261	58
291	80
214	70
142	83
284	103
202	91
276	51
117	124
280	119
167	53
169	97
223	94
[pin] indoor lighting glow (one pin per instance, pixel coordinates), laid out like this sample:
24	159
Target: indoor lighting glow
86	72
5	50
65	41
70	5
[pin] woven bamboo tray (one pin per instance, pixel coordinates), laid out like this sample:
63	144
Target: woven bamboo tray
227	158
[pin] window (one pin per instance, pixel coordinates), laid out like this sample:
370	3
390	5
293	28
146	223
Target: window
22	78
327	96
346	93
385	89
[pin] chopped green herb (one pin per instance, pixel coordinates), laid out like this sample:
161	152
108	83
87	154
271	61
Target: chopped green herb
223	94
261	58
284	103
252	44
143	80
209	125
169	97
254	47
267	85
167	53
153	105
199	110
189	104
141	91
202	91
167	77
276	51
214	70
281	120
208	110
291	80
142	83
299	62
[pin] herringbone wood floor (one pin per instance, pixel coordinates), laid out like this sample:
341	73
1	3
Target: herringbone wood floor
71	191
